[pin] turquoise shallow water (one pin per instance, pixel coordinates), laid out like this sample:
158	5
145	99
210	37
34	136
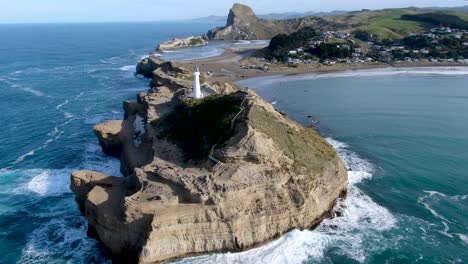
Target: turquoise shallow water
402	134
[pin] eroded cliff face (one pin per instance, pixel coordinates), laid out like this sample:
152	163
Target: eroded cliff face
243	24
226	173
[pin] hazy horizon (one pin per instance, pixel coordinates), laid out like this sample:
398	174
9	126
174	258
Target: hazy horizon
107	11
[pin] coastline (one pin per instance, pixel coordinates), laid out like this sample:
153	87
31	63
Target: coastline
227	66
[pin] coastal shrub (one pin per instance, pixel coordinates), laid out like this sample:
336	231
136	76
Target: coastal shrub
362	35
195	41
196	125
328	51
417	42
281	44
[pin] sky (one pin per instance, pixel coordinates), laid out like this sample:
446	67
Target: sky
57	11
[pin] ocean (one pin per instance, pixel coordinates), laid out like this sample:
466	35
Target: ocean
402	133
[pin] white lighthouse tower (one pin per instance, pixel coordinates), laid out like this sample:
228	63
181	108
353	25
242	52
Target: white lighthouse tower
196	84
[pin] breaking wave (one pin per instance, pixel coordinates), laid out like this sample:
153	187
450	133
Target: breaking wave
359	222
61	240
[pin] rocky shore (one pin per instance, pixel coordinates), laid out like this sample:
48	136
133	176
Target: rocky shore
222	174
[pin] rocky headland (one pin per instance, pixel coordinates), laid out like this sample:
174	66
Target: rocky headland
179	43
242	23
222	174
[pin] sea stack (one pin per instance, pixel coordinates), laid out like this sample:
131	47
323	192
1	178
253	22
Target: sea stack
222	174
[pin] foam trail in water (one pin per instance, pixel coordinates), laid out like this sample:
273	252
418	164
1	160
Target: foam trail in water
55	134
23	88
430	199
360	221
128	68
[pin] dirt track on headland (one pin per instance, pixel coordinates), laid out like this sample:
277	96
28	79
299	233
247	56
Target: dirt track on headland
227	67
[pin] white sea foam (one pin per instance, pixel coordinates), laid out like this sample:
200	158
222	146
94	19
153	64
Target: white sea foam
415	71
61	239
95	159
128	68
359	220
54	182
433	196
51	182
111	60
55	134
463	237
66	114
61	105
23	88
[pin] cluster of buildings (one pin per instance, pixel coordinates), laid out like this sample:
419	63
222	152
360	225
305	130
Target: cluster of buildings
436	36
342	40
386	51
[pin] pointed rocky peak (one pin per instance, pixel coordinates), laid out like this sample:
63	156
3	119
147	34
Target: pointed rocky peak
240	13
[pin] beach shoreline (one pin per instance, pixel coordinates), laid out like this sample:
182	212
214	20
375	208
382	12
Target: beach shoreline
227	66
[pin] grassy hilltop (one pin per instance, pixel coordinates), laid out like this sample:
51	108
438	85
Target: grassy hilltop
392	24
398	23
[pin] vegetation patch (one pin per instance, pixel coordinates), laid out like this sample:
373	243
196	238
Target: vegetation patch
196	125
282	43
438	19
195	42
309	150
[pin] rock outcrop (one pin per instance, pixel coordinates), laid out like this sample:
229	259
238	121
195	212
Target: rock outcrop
178	43
226	173
242	23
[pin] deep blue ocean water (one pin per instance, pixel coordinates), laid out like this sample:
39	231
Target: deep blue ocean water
404	136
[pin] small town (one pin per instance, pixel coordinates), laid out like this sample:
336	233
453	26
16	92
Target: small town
439	45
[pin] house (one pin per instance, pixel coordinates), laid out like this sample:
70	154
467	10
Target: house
292	52
315	42
397	47
345	46
342	35
429	35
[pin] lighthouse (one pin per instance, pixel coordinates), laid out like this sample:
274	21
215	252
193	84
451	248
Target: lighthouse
196	84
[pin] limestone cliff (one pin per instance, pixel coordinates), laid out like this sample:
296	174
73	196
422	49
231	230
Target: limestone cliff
225	173
242	23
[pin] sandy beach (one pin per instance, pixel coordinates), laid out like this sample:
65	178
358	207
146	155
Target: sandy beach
227	67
